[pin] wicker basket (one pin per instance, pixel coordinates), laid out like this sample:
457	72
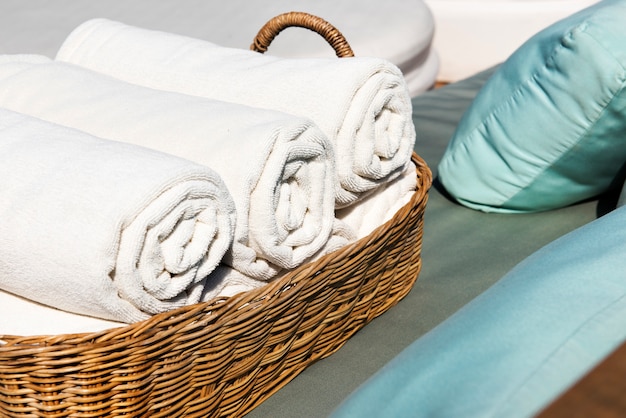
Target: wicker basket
223	357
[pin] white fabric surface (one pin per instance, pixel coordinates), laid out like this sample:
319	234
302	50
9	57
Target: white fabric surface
380	206
278	167
24	317
362	104
400	31
103	228
473	35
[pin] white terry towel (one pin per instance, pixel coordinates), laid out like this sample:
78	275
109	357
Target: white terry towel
103	228
279	168
362	104
380	206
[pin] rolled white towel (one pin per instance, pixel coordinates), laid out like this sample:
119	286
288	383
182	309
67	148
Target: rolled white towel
103	228
362	104
380	206
279	168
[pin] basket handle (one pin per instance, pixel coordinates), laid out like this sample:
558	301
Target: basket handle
304	20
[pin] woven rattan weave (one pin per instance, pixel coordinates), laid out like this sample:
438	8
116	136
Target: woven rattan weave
223	357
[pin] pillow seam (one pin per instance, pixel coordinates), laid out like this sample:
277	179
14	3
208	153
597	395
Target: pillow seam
590	122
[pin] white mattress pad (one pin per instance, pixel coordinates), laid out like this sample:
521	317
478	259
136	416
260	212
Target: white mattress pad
398	30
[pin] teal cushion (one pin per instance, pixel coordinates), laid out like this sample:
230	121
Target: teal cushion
549	127
517	346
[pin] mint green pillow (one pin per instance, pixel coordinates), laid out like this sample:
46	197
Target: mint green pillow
548	129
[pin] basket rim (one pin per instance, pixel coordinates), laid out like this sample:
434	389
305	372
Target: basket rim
219	306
